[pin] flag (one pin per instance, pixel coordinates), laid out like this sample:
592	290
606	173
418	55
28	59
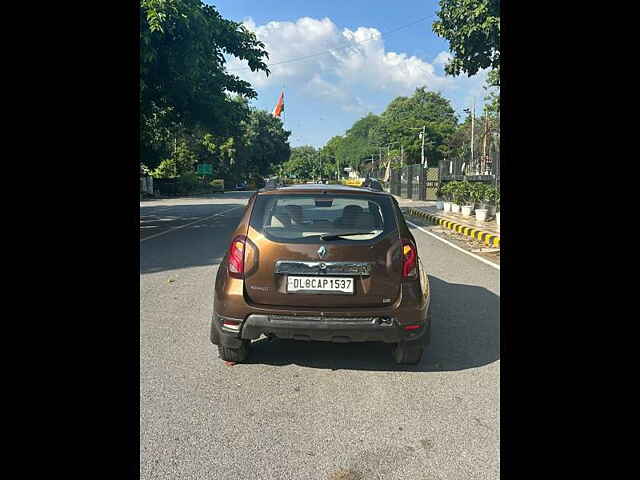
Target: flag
279	106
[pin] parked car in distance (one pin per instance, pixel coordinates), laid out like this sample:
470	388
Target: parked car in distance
322	262
373	183
240	187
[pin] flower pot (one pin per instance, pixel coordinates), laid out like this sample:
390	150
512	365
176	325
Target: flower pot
455	208
498	218
446	206
439	204
492	211
481	214
466	210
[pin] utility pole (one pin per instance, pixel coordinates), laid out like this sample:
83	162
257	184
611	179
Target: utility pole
484	143
423	134
473	114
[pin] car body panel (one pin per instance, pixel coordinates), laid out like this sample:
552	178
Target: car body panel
382	294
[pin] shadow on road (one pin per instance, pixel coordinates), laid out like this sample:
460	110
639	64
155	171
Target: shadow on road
200	244
465	334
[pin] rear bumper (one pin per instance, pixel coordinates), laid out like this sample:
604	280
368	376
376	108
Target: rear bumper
327	329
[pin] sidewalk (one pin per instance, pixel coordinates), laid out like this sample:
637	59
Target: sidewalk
487	232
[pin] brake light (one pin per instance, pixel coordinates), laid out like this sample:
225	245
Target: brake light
409	259
236	256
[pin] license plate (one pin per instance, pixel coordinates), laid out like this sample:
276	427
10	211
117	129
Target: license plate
319	284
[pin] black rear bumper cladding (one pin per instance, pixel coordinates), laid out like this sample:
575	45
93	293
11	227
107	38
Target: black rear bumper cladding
338	330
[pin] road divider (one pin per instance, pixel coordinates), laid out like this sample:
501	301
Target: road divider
477	257
490	239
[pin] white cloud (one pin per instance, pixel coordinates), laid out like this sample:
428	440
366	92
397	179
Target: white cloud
357	62
442	58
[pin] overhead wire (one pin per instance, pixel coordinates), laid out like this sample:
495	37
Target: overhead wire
330	50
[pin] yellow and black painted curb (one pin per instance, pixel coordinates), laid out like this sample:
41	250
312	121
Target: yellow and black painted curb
487	238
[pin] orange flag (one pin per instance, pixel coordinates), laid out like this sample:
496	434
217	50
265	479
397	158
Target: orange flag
279	106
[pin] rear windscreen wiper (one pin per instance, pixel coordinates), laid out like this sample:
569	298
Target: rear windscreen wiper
336	236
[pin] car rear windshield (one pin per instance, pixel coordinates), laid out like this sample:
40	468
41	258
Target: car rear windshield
305	218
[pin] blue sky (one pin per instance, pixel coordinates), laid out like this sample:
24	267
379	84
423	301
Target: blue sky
370	60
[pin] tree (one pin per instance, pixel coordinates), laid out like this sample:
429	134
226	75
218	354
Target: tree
492	87
265	144
358	142
329	154
472	28
404	118
303	163
183	81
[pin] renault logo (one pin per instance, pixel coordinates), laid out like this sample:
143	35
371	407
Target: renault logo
322	252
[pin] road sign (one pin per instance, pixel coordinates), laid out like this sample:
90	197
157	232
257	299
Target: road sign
205	169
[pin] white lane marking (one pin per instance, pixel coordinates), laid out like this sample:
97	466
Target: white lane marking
483	260
187	224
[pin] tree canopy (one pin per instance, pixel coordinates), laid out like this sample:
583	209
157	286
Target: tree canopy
191	109
401	124
302	163
403	121
358	142
184	87
472	28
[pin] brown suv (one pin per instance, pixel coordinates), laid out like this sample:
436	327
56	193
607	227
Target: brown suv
322	262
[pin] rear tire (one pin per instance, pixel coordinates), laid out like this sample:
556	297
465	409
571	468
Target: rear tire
215	337
408	353
235	354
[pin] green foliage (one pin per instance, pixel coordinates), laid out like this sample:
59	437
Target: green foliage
399	125
492	107
181	161
478	194
458	192
404	118
470	193
490	195
184	87
466	193
357	144
166	169
188	182
330	160
302	164
472	28
265	144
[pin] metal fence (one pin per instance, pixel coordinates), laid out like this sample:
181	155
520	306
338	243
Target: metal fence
483	168
419	183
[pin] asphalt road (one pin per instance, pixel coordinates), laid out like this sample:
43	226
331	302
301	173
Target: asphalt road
308	410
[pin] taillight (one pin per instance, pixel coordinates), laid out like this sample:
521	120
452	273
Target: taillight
236	256
409	259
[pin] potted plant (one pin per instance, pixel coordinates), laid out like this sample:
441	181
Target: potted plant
468	195
446	192
490	198
456	196
498	207
481	194
439	197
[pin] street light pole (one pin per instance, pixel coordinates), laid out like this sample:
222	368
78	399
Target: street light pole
423	135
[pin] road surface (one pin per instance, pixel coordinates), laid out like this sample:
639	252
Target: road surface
308	410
